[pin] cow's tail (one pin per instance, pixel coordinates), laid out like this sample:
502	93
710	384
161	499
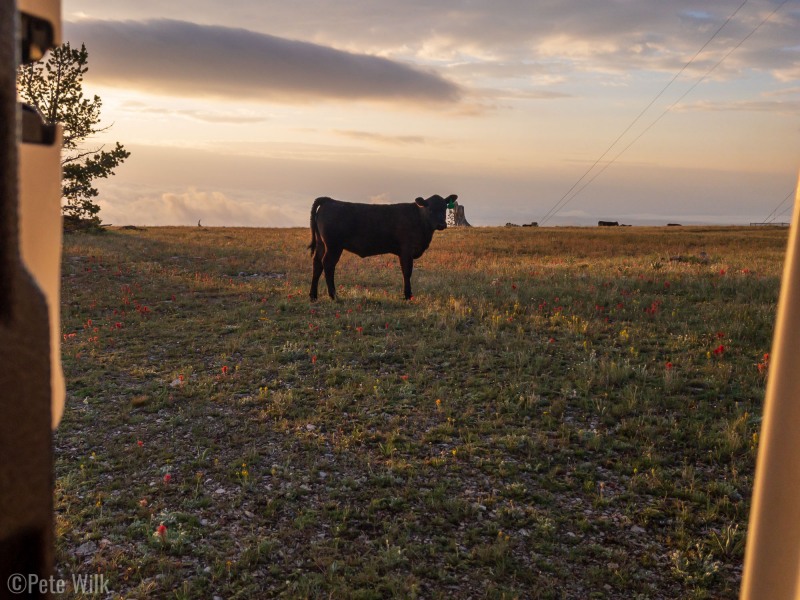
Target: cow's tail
314	231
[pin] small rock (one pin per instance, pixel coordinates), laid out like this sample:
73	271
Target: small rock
219	491
637	529
86	549
311	427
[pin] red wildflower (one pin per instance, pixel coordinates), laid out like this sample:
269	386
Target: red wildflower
653	308
719	350
668	366
167	478
224	369
139	443
161	531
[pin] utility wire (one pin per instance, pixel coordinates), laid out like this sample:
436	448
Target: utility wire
556	207
770	216
786	210
671	106
567	198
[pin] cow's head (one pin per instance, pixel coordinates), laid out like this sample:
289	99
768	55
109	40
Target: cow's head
435	209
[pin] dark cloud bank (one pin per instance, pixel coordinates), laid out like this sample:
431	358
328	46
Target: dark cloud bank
178	57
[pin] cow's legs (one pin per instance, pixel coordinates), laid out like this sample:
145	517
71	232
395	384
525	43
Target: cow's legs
317	269
407	265
329	261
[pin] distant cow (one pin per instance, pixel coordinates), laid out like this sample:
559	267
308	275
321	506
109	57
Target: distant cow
608	223
369	229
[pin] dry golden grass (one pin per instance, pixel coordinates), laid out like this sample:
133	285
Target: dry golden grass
558	413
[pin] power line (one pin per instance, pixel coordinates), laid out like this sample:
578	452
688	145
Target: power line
772	216
566	198
786	210
556	207
671	106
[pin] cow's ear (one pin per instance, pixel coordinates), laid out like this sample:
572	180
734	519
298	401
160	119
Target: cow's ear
452	198
421	202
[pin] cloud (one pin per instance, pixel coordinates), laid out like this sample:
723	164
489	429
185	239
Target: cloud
785	107
544	35
213	208
182	58
380	199
383	139
234	116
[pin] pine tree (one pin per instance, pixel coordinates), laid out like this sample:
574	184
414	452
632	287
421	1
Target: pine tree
54	86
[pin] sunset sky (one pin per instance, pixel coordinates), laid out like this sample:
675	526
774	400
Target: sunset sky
241	113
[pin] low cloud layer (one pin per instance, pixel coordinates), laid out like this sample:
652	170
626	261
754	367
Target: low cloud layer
212	208
182	58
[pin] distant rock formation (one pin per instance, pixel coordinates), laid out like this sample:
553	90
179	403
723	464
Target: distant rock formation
456	216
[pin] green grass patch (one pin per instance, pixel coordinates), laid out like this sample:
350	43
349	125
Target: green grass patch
558	413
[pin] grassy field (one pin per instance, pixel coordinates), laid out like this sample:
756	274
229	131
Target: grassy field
558	413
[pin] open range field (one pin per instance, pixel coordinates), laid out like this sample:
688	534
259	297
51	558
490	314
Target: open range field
559	413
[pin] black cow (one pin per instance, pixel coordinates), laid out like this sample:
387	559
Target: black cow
369	229
608	223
